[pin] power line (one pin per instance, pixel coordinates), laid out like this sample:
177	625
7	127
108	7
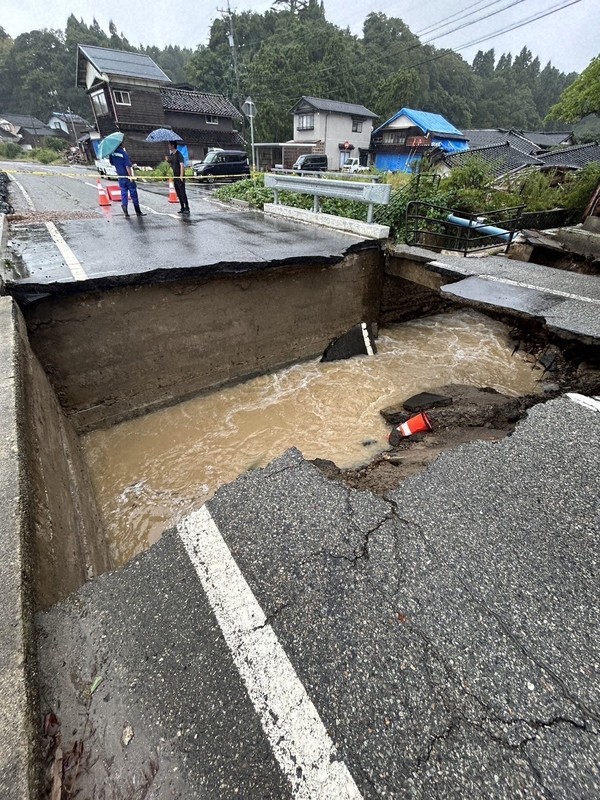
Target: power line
486	38
459	15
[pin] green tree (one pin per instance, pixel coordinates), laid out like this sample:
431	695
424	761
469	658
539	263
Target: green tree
483	63
581	98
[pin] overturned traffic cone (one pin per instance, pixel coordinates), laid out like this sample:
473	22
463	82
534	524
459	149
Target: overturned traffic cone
417	424
172	193
102	196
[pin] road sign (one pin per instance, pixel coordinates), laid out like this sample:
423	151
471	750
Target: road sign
249	108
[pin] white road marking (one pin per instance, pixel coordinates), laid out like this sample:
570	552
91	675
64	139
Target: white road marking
297	736
545	289
24	192
71	260
366	338
523	285
593	403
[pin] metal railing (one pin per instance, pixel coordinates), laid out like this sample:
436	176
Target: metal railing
370	193
430	225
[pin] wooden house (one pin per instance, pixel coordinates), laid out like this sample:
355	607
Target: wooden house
405	138
29	132
130	93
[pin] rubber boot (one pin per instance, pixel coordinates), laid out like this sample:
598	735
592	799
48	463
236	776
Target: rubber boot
125	210
139	212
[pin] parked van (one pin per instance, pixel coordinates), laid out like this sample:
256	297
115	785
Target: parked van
313	162
222	164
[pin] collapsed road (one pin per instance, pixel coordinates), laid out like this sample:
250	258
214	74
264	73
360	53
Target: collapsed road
297	637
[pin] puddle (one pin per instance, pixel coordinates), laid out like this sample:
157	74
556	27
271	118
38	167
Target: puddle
151	471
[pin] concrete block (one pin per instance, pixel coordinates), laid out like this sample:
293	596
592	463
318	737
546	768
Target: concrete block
363	229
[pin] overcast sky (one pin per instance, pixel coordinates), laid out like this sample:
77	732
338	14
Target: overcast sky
569	38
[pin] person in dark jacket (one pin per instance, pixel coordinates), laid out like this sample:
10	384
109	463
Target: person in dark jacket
175	159
124	169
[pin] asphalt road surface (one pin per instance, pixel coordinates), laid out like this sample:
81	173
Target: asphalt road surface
296	638
65	237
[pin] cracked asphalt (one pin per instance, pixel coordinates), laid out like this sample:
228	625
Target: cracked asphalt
447	634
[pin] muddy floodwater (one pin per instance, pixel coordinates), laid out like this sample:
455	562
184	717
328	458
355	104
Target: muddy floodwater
149	472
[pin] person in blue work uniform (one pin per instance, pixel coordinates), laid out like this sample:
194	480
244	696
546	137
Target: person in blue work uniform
175	159
122	164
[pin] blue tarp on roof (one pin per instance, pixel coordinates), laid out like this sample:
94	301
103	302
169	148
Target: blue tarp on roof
450	145
396	162
427	122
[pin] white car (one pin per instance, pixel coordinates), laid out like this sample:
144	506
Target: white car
353	165
105	168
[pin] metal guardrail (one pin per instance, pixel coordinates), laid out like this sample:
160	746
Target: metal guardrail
430	225
370	193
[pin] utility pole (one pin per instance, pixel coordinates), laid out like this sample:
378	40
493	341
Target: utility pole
70	113
231	38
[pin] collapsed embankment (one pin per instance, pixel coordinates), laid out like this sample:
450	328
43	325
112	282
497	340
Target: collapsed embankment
74	362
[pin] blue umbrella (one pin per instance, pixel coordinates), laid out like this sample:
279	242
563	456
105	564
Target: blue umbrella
163	135
109	144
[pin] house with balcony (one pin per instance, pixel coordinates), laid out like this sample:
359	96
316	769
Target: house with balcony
340	130
130	93
402	141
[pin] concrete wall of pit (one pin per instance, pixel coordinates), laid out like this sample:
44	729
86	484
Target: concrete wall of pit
118	353
51	540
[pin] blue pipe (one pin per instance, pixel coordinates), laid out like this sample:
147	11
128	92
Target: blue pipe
488	230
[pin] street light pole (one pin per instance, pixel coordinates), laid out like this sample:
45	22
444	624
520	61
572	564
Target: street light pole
249	110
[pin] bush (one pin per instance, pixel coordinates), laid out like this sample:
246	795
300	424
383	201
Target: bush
473	174
44	156
57	144
578	189
10	150
538	193
252	191
162	170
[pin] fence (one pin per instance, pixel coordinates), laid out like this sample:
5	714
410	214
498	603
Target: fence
434	226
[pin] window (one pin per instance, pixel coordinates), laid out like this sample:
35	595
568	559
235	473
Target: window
121	98
99	103
306	122
394	137
211	120
357	126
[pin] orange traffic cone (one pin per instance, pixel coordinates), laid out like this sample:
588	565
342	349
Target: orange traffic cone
102	196
172	193
417	424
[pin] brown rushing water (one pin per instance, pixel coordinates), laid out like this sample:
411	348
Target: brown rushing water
151	471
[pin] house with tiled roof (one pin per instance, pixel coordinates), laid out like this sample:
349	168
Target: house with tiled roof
26	130
490	137
130	93
73	125
502	159
402	141
548	140
569	158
